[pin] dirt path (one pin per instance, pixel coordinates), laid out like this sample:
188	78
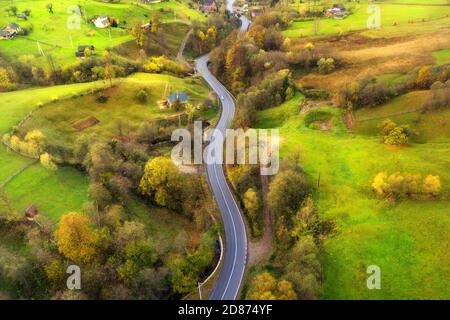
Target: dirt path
180	56
260	249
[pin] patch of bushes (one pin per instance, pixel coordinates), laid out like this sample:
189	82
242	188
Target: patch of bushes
398	185
316	115
371	92
315	94
142	96
326	65
440	97
394	134
162	64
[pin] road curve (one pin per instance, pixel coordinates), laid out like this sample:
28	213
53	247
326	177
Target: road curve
228	284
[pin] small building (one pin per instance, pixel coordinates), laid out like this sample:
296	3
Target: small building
6	35
337	11
10	31
80	53
12	27
102	22
181	97
209	7
31	212
146	26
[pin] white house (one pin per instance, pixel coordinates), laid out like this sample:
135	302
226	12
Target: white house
102	22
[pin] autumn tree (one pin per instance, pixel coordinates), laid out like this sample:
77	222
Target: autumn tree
325	65
138	33
47	162
265	287
155	24
109	71
185	271
432	185
394	134
5	81
76	239
252	203
303	269
287	191
163	182
398	185
35	141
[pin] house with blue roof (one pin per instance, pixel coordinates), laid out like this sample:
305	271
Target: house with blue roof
181	97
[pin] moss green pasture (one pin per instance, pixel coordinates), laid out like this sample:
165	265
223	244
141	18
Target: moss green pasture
393	15
430	127
407	239
58	40
56	120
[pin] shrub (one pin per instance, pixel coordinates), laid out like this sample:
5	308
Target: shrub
394	134
102	99
326	66
397	185
142	96
316	94
432	185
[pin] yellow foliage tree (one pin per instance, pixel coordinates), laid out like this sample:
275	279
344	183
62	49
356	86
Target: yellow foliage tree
76	239
163	181
47	162
432	185
253	204
265	287
5	80
36	141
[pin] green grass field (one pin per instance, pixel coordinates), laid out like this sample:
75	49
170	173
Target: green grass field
407	239
54	193
168	45
15	105
59	41
56	120
430	126
397	14
442	56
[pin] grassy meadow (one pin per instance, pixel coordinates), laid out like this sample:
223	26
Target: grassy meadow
406	239
66	189
51	191
394	14
430	126
60	42
56	120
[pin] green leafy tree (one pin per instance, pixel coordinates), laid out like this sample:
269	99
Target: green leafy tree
287	191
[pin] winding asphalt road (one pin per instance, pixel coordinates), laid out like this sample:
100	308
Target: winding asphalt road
228	284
